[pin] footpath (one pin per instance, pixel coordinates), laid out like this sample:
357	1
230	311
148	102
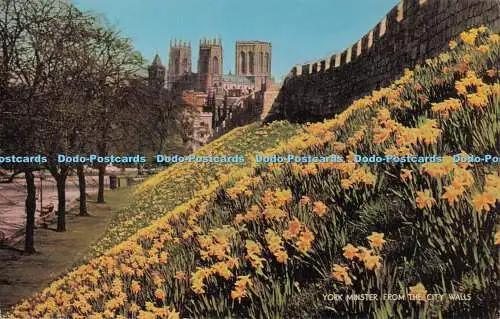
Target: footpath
23	275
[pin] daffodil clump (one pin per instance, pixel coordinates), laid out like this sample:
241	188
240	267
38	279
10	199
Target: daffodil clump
272	240
180	182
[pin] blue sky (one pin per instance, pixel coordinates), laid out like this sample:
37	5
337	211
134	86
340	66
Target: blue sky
300	30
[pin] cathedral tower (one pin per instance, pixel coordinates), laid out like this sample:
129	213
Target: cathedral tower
209	63
253	60
179	62
156	73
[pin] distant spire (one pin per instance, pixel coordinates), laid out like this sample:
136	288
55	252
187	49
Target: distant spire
157	60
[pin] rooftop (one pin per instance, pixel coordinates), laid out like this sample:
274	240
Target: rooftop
252	42
157	60
235	79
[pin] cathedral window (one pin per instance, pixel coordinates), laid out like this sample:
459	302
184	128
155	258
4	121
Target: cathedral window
262	63
251	63
243	63
176	65
268	63
215	65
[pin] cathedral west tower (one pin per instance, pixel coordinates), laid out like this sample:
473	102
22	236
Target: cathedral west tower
209	63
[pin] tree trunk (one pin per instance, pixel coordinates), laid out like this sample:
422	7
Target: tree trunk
100	192
102	147
29	243
83	195
61	197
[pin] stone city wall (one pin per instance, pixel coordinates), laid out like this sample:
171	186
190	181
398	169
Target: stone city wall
411	32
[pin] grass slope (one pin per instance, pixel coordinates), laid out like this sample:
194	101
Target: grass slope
181	182
272	241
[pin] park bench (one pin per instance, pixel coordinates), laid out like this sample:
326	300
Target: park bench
5	177
46	213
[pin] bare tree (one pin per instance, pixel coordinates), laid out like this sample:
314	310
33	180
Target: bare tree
56	32
69	84
114	65
52	55
16	100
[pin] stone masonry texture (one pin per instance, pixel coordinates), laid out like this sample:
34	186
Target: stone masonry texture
411	32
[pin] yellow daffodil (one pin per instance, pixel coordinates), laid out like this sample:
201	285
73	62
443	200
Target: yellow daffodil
372	262
418	292
159	294
319	208
425	199
376	240
350	252
305	240
294	227
340	273
483	201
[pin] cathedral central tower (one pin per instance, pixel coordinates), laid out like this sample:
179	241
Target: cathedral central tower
253	60
209	63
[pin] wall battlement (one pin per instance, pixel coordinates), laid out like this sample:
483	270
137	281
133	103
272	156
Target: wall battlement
411	32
